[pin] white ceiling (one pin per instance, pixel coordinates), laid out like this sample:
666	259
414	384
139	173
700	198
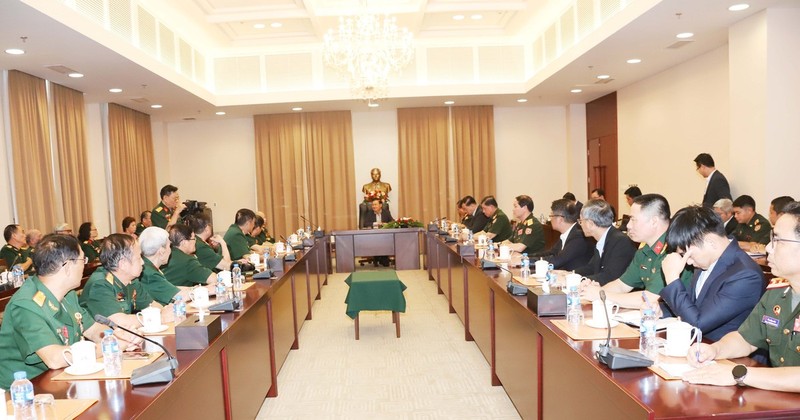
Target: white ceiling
224	26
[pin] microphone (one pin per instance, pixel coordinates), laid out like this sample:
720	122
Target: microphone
617	357
310	223
602	354
157	372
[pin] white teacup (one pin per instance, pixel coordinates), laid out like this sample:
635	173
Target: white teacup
199	296
680	336
150	318
505	252
599	315
280	248
293	238
482	240
540	268
225	277
82	354
573	280
255	259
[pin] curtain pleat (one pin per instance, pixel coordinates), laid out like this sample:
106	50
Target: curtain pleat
473	149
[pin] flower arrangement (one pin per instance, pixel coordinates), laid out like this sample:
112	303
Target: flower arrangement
403	222
376	195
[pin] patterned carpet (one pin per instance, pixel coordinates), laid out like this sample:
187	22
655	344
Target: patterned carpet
428	373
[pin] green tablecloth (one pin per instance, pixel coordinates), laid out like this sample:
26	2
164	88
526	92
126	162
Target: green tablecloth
374	291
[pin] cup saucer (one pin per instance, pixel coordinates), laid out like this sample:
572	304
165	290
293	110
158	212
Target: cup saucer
600	324
153	330
663	351
89	369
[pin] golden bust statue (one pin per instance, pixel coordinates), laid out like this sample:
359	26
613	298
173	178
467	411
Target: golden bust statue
376	184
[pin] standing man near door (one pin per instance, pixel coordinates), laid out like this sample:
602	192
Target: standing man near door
716	184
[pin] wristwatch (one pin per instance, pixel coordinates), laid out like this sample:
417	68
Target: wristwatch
739	373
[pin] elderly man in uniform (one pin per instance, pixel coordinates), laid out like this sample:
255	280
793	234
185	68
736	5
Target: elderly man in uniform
156	250
210	258
648	224
114	290
44	318
32	238
772	325
572	249
613	251
145	222
183	268
498	228
753	229
167	212
15	251
528	236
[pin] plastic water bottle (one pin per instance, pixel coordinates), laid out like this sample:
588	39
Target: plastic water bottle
647	335
179	309
22	396
525	271
236	275
550	277
220	287
17	275
574	310
490	250
112	357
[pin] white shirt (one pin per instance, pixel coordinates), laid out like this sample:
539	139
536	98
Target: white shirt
708	178
565	234
601	243
702	279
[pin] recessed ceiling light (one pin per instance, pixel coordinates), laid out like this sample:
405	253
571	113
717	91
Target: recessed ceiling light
115	90
259	26
220	112
476	17
458	17
297	108
373	104
156	106
739	7
634	61
15	51
75	75
576	90
276	24
684	35
522	100
449	102
603	76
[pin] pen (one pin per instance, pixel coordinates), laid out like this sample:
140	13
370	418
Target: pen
699	336
646	301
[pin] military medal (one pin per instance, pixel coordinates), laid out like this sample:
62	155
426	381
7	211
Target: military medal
79	317
777	311
796	328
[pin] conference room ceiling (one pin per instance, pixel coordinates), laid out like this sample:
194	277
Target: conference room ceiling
227	27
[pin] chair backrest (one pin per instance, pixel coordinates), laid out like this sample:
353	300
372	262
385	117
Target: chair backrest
363	208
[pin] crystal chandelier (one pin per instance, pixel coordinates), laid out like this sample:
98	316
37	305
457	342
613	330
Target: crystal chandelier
368	49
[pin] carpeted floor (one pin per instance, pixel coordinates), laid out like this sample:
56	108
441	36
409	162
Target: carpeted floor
428	373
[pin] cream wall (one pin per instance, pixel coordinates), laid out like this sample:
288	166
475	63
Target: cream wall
666	120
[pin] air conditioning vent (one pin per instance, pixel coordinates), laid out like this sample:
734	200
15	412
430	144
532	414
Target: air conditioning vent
679	44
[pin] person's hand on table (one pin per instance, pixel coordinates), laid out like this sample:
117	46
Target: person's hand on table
128	341
216	240
590	291
701	353
713	374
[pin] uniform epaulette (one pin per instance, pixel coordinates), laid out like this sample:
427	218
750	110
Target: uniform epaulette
528	222
777	283
39	298
110	278
641	245
8	246
159	208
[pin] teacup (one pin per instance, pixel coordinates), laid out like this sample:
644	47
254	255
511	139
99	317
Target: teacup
225	277
280	248
680	336
82	354
573	281
540	268
150	318
505	252
293	238
482	240
199	296
599	315
255	259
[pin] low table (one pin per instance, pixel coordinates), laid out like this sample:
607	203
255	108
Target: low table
375	291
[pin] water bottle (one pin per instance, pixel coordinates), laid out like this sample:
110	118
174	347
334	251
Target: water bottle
308	231
490	250
179	309
469	236
574	310
647	335
22	396
236	275
17	275
220	287
525	271
550	277
112	357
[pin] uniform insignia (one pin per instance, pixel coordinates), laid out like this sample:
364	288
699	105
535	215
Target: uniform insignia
653	270
9	247
110	278
776	310
519	232
659	246
53	307
120	297
770	321
796	327
494	217
159	208
528	222
757	228
39	298
528	231
777	283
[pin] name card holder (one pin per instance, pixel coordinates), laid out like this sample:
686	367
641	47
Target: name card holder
547	304
466	250
194	334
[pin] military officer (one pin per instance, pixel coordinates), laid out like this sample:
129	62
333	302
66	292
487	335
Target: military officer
156	250
528	236
216	260
648	224
183	268
753	229
167	212
114	290
87	234
773	325
498	228
253	237
144	222
44	317
14	251
235	238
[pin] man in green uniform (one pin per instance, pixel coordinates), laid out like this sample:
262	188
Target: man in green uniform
254	237
498	228
753	228
114	290
167	212
183	268
14	252
44	318
648	224
213	259
235	236
156	250
773	325
528	236
144	222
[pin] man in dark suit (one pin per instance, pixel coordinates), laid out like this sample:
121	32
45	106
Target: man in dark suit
724	209
474	218
377	213
726	284
613	251
717	185
600	194
572	249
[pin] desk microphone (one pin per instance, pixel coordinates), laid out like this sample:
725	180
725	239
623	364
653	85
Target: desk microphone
157	372
617	357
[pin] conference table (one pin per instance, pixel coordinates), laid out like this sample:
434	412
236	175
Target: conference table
232	376
547	375
403	243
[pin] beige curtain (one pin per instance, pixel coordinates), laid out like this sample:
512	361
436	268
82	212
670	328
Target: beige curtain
330	170
70	126
133	173
473	150
424	163
30	144
304	166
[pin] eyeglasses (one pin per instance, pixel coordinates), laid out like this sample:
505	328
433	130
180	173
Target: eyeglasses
84	259
774	239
